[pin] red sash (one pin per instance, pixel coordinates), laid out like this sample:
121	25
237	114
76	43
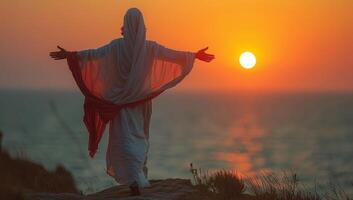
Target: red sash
97	111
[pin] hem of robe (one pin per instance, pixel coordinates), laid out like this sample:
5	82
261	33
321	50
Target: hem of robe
142	180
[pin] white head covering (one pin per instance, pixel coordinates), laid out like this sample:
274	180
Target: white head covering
134	40
134	29
134	50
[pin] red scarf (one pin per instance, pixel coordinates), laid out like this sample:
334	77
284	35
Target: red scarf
97	111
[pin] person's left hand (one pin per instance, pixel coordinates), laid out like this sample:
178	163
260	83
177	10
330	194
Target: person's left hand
58	55
202	55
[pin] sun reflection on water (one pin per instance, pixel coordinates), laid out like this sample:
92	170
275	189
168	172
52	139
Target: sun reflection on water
244	142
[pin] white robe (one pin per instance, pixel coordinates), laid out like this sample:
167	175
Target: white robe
128	145
128	70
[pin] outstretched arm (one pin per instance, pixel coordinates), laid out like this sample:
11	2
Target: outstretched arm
178	56
84	54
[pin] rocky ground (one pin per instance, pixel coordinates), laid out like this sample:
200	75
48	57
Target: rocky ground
168	189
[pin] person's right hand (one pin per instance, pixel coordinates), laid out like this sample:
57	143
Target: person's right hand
202	55
58	55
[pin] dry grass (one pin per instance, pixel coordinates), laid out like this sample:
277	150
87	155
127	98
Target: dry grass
274	186
219	185
228	185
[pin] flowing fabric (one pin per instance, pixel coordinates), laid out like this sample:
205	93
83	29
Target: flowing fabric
118	81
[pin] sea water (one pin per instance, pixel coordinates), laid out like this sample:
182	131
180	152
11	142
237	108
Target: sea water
310	134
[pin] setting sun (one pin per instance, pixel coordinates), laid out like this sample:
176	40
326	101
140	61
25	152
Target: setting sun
247	60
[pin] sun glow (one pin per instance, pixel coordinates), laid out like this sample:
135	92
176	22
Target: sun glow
247	60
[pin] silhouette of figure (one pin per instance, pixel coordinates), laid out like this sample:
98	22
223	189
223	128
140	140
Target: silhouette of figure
119	80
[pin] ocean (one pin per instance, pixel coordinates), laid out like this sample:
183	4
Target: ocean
310	134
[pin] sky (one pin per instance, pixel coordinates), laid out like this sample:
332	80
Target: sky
302	45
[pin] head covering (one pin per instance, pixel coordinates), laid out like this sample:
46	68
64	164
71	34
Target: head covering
134	40
134	30
134	50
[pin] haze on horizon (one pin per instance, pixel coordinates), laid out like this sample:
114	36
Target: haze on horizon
299	45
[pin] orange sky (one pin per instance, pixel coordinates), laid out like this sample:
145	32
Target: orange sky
300	45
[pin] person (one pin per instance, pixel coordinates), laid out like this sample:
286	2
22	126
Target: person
119	81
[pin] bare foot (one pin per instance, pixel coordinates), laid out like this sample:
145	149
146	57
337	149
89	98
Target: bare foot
135	190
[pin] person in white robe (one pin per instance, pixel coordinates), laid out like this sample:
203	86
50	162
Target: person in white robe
126	74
